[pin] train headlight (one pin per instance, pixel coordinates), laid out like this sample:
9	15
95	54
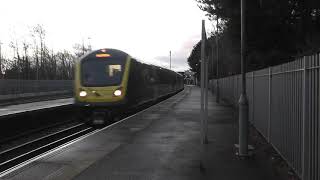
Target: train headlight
83	93
117	92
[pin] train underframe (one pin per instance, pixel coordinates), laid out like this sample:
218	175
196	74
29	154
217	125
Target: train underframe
101	115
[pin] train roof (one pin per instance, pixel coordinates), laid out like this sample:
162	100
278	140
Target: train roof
117	54
112	52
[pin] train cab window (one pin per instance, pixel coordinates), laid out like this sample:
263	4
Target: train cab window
97	72
114	69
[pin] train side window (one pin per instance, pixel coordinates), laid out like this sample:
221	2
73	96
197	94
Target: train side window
146	76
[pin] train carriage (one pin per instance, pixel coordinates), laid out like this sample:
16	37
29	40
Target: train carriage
109	81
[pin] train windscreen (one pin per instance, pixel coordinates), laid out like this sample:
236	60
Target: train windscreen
98	72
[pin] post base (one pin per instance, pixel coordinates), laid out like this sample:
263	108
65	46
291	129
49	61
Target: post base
205	141
244	156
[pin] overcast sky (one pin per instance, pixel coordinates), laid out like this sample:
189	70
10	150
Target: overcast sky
146	29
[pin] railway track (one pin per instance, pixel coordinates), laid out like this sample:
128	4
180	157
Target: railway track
8	139
20	153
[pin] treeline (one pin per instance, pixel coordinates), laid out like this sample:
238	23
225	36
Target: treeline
277	31
34	60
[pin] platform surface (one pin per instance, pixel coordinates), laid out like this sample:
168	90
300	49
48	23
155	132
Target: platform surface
163	142
34	106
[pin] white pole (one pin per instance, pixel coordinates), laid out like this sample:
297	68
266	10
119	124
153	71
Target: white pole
243	101
170	60
206	101
203	85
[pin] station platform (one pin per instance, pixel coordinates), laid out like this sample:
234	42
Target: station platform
161	142
34	106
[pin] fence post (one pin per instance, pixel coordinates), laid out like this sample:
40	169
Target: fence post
305	123
269	103
235	85
218	91
252	98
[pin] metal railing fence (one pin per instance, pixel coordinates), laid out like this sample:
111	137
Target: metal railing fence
284	107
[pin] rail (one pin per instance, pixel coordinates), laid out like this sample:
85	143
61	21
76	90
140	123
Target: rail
23	152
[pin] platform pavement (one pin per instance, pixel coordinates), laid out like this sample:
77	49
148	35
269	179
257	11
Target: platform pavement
170	148
162	142
34	106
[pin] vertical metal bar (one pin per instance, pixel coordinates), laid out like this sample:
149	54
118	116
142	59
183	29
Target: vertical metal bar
235	88
316	80
300	111
305	123
206	102
269	103
252	98
294	116
289	119
318	115
282	117
312	119
286	125
315	117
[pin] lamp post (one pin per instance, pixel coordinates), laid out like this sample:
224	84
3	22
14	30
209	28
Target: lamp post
89	44
204	87
85	49
243	101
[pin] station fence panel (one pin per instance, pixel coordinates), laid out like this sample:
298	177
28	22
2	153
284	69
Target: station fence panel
14	88
284	107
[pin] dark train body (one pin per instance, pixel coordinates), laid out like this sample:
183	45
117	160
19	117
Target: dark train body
109	81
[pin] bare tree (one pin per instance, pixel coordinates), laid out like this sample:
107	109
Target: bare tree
81	49
39	32
25	59
33	59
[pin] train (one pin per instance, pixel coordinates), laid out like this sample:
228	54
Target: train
109	82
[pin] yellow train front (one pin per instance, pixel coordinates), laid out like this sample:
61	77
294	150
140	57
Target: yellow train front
109	82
